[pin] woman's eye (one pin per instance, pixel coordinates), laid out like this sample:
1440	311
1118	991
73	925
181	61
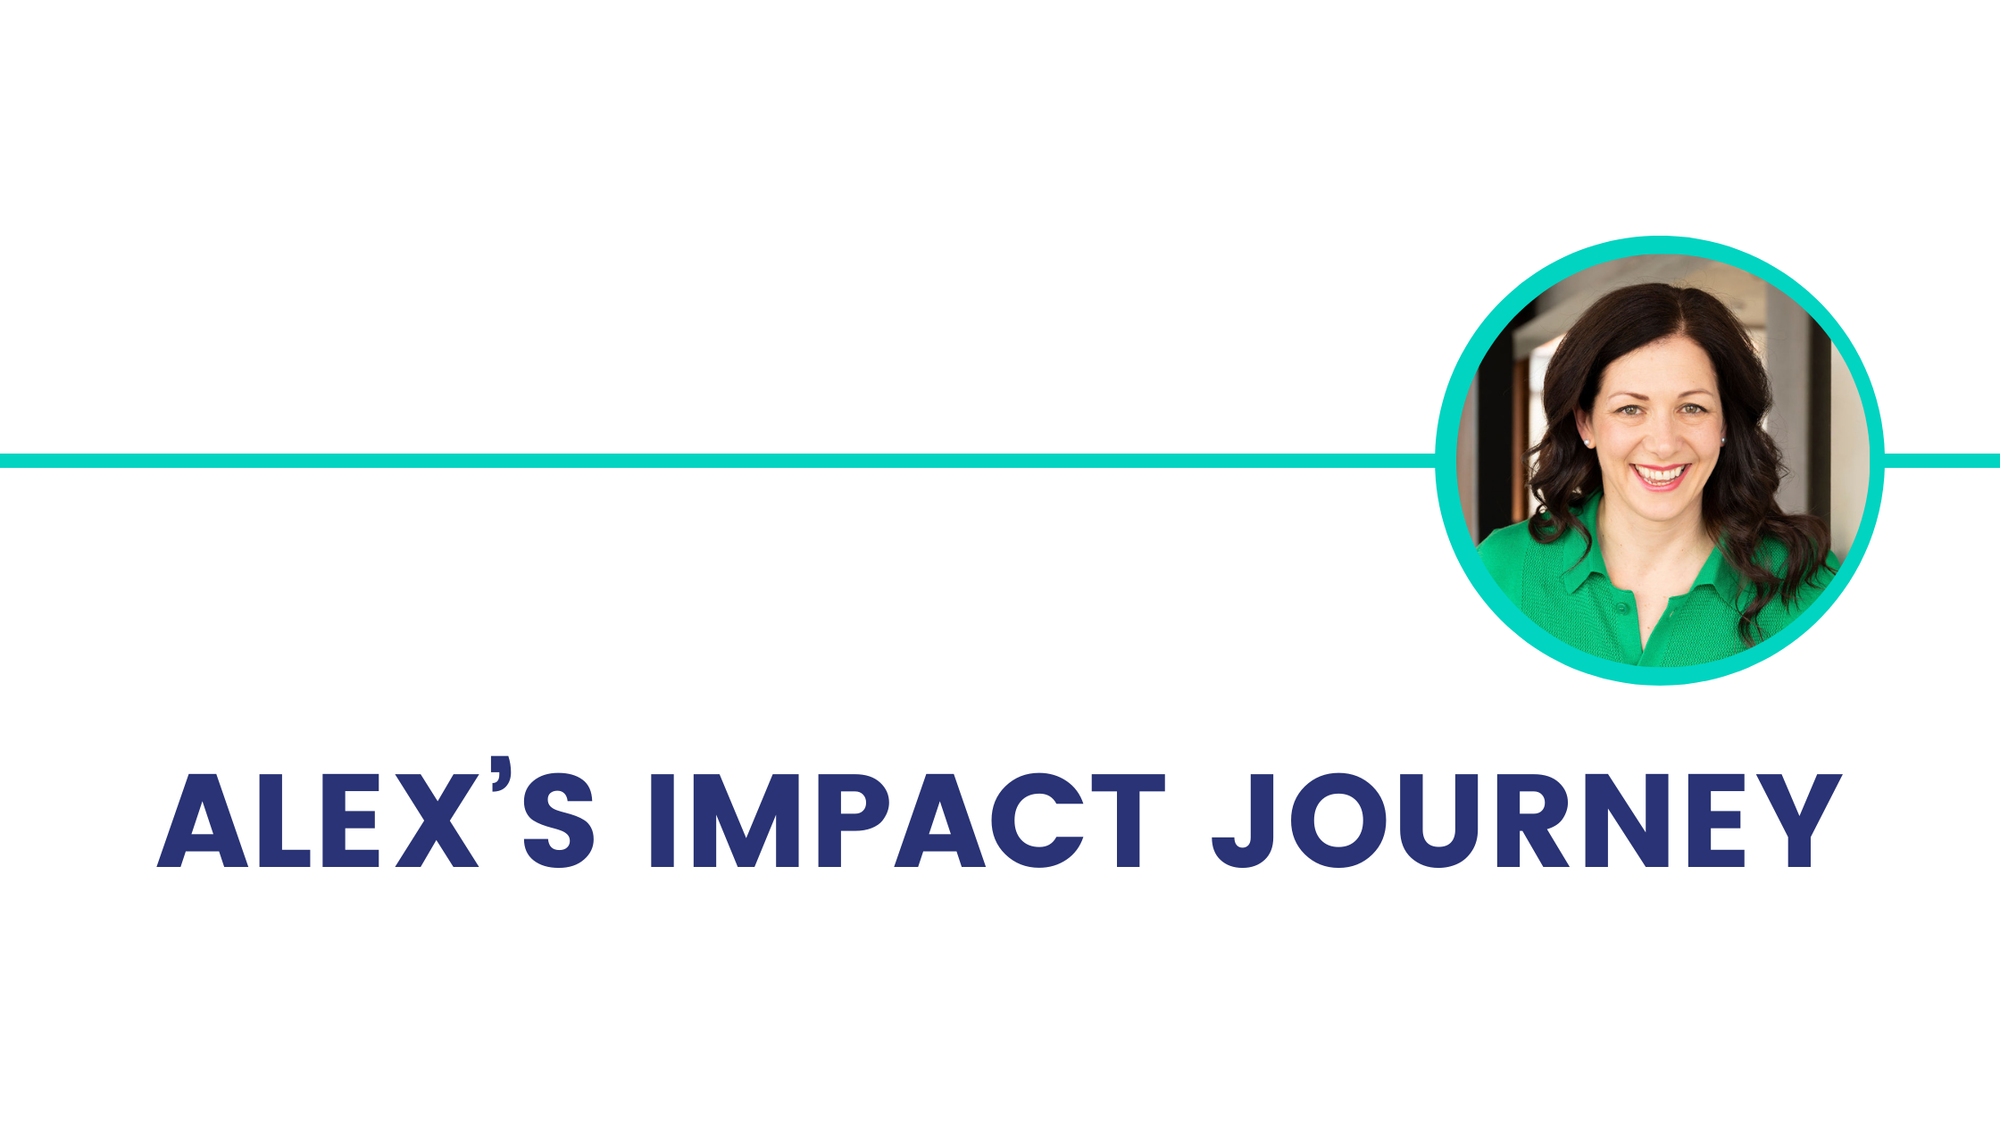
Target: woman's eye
1693	408
1630	410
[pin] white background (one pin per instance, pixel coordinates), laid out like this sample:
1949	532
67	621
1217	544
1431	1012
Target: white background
872	228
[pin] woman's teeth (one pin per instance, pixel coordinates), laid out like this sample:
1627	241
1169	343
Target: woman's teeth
1661	476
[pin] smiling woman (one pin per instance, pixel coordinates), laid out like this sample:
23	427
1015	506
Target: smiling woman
1657	537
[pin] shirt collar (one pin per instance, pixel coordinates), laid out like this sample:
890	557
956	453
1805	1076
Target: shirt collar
1592	560
1711	571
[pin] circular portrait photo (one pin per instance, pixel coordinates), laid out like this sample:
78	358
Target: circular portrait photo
1662	462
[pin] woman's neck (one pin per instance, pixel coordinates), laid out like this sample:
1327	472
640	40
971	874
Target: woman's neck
1635	547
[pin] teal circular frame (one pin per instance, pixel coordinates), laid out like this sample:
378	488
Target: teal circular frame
1453	512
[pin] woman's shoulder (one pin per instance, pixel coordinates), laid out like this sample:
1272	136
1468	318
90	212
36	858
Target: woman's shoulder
1505	553
1776	557
1773	555
1511	541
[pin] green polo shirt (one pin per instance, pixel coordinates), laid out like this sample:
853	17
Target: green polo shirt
1565	589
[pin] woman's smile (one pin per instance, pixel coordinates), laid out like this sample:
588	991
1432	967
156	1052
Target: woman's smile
1661	478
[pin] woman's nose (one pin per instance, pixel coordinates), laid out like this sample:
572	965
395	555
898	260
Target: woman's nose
1660	436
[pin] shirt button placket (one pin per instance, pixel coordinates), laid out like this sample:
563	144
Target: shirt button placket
1629	641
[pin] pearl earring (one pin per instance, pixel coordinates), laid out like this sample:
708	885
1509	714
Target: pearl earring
1586	444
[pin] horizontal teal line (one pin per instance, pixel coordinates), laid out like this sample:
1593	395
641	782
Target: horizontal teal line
717	461
1941	460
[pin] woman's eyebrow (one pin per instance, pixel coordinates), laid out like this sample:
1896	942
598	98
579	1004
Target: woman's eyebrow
1648	398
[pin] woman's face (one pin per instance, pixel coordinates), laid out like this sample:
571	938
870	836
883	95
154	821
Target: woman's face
1657	429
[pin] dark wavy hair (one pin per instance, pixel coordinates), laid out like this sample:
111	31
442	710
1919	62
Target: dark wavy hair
1739	504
